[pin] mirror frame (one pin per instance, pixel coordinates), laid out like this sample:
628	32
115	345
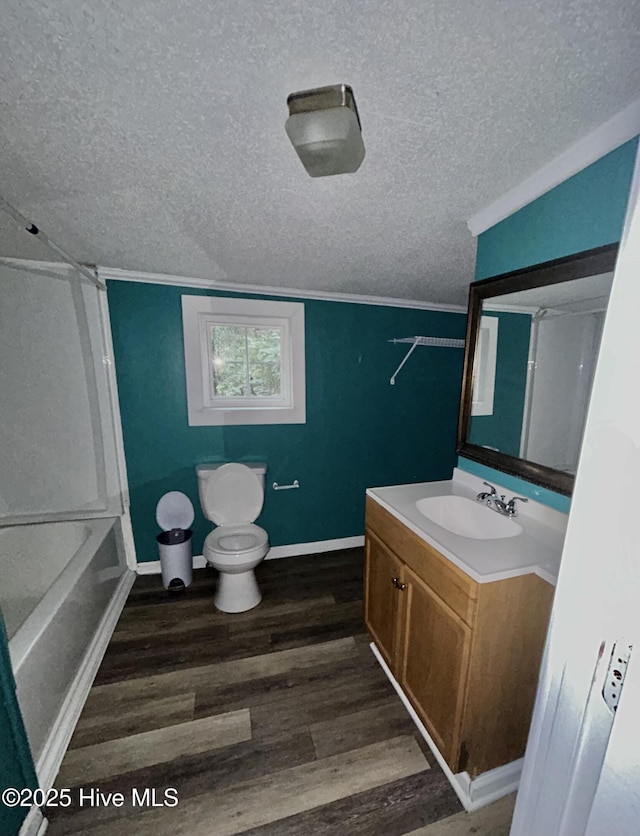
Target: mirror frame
587	263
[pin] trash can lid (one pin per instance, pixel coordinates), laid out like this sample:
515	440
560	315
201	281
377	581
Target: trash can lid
174	510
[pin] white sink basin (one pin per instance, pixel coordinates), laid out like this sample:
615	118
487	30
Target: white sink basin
467	518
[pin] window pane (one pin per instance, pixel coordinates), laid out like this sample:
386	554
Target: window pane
229	360
245	361
263	349
265	379
228	343
229	380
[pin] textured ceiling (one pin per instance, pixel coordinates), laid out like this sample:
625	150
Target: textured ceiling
149	135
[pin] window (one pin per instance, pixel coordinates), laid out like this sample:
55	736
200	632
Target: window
485	375
244	361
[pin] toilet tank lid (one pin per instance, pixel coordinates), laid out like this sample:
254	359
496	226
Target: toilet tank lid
208	467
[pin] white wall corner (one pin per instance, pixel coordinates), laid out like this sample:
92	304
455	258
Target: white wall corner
615	132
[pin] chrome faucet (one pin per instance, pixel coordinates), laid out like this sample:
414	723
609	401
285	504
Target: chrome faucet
500	505
492	500
487	496
508	508
511	510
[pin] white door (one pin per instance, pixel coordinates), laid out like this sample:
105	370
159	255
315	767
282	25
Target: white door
581	773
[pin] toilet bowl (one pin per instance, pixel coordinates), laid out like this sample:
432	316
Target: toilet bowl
231	496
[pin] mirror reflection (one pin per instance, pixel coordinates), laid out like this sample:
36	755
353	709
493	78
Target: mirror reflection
535	357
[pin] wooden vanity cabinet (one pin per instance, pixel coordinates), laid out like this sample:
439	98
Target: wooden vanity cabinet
382	599
467	655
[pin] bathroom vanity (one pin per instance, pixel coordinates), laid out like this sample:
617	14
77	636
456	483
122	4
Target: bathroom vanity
460	623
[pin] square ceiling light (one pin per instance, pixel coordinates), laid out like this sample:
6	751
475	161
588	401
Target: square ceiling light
324	128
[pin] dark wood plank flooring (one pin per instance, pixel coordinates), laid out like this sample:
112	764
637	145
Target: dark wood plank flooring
273	722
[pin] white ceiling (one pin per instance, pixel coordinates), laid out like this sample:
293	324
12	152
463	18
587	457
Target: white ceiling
149	135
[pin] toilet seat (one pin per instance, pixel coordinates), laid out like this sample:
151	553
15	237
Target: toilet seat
239	539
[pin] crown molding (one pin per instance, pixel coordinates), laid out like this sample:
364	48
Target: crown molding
615	132
59	269
114	274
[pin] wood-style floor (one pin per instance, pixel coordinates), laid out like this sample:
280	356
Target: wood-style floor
273	722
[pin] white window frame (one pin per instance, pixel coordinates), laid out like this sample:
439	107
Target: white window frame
199	313
484	372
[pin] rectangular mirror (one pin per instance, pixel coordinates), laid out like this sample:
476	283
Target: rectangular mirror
530	355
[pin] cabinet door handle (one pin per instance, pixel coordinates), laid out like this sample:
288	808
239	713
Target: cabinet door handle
397	584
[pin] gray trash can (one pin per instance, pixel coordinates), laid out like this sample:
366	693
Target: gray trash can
176	561
174	514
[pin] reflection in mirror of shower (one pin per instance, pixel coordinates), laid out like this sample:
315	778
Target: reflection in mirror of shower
564	353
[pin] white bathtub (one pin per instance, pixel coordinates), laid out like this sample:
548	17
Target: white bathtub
33	556
63	586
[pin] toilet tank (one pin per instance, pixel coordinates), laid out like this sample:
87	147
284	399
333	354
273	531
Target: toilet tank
203	471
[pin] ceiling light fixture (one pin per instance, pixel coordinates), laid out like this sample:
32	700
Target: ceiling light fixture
324	128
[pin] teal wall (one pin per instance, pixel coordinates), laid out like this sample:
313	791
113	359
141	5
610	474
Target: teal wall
360	431
16	765
585	211
503	429
517	486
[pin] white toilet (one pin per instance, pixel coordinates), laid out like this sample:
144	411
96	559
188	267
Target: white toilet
231	496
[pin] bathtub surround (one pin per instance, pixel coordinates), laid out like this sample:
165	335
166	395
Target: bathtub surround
583	212
66	528
56	650
54	343
359	430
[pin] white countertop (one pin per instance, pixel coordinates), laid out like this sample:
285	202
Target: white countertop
536	550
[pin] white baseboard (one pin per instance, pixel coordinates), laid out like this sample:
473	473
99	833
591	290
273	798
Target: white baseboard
152	567
318	547
491	785
54	750
483	790
35	823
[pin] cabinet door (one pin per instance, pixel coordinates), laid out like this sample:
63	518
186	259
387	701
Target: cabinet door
381	597
435	664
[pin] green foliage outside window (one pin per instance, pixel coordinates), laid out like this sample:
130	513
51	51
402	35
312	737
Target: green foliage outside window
246	361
